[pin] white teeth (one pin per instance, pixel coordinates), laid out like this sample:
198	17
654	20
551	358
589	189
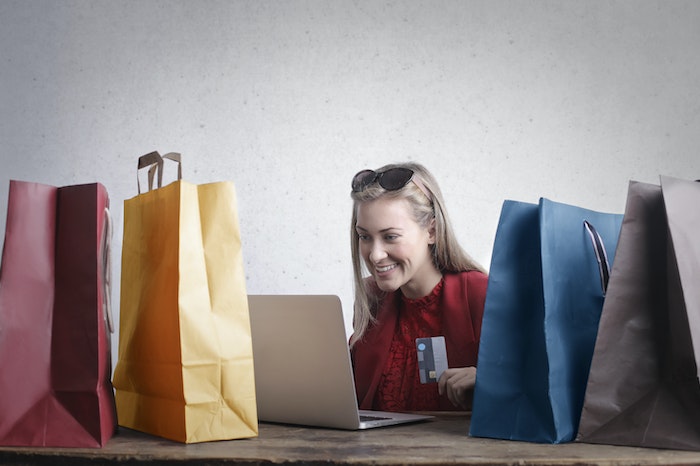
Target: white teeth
385	269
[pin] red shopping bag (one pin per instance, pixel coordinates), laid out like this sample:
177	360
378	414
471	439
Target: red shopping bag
55	387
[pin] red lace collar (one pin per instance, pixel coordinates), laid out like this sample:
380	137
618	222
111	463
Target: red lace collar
428	301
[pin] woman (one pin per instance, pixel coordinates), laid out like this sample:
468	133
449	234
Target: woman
421	284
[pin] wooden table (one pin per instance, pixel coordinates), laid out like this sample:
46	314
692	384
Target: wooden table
440	441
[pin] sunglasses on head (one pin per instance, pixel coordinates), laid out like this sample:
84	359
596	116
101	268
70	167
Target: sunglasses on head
391	179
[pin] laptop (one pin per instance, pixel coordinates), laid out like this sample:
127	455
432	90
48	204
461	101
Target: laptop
303	373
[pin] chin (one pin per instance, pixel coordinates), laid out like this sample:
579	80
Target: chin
387	286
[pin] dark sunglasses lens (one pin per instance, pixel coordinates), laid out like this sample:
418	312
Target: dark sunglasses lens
363	179
395	178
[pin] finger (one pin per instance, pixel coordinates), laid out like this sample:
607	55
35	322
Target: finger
452	391
458	398
443	381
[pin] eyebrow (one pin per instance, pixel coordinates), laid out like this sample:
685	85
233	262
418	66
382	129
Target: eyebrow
357	227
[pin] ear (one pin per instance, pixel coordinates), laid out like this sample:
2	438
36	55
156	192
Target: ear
431	231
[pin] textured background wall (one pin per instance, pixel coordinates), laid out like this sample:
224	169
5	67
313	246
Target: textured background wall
288	99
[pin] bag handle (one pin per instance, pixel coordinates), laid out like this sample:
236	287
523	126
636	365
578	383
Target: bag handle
107	270
175	157
600	254
154	162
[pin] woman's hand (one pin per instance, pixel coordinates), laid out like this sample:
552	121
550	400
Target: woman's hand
458	383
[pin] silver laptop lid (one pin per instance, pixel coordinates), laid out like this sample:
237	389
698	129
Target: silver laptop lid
303	373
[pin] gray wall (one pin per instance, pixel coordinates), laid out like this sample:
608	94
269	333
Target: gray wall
564	99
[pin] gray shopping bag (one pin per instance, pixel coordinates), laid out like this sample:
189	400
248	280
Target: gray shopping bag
643	386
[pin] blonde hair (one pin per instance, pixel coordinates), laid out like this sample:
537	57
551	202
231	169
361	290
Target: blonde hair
426	201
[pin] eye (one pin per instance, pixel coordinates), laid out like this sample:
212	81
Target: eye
391	237
363	237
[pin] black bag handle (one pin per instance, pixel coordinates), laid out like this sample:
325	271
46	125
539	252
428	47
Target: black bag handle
600	254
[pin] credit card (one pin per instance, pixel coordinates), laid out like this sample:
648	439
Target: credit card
432	358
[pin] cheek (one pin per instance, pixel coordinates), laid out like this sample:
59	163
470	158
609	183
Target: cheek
411	251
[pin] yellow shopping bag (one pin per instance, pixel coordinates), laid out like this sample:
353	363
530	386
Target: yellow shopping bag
185	367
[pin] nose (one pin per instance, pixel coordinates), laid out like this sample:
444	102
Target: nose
377	253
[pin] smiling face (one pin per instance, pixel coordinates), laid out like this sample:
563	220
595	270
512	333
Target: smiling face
395	248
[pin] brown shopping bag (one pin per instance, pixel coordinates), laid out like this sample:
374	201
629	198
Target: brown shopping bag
643	386
185	367
55	364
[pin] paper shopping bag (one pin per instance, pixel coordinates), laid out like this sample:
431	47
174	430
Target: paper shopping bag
185	367
55	364
643	386
545	293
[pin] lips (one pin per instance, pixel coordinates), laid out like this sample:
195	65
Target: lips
385	268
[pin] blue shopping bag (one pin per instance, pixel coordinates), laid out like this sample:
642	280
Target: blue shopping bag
549	270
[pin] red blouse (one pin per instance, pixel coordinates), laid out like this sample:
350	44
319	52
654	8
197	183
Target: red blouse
399	389
384	361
